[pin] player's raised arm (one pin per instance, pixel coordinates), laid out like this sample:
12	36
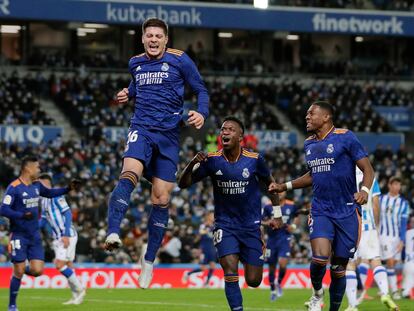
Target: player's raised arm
186	178
302	182
193	78
56	192
365	166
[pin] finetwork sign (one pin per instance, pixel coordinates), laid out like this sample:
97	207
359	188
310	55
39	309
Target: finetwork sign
132	14
392	25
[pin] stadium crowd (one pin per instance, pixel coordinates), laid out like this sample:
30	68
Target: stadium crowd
96	163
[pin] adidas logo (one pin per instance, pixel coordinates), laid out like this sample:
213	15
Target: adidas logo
219	172
24	194
122	202
138	68
308	152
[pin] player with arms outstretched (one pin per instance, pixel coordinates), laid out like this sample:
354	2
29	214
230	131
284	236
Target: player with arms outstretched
235	173
21	205
335	222
157	86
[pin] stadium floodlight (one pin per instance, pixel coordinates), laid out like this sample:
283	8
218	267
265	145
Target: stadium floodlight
87	30
225	35
261	4
10	29
131	32
91	25
359	39
292	37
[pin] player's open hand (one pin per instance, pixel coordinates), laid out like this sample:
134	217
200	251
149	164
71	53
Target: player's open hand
75	184
122	96
195	119
361	197
276	223
276	188
65	241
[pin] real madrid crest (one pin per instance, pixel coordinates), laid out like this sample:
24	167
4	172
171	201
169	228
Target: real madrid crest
246	173
165	67
330	148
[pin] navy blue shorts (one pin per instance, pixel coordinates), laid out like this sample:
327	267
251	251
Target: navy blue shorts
280	250
344	233
208	256
157	150
23	247
247	244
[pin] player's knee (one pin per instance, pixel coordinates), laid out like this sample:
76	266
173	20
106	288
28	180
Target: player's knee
338	271
161	199
38	271
59	264
254	281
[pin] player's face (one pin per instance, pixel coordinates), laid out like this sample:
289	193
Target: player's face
210	218
231	135
154	41
315	118
33	168
46	183
394	187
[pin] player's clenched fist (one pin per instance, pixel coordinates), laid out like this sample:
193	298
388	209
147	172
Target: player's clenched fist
122	96
361	197
276	188
199	157
195	119
75	184
276	223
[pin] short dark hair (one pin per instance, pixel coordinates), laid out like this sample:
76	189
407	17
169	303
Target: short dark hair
28	159
234	119
155	22
325	105
394	179
46	176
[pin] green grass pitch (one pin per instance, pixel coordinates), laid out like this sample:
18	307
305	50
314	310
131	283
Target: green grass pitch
171	300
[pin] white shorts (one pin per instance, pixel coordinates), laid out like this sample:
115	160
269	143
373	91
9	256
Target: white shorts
389	247
408	277
369	245
65	254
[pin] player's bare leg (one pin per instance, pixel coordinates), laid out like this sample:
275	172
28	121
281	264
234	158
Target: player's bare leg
118	203
321	251
253	275
234	297
35	267
157	224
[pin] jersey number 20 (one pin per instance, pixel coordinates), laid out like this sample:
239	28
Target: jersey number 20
217	236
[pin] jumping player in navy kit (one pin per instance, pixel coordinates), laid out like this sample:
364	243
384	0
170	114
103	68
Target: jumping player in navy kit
21	205
157	86
334	222
235	173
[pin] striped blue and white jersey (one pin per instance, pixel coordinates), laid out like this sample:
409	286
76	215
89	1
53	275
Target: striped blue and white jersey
53	211
409	246
367	211
393	216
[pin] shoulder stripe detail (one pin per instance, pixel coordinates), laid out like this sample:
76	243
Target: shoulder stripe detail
15	183
249	154
340	131
218	153
175	52
139	55
310	137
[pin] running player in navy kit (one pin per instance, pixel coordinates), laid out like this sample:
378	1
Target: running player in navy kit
21	205
208	251
278	242
157	86
235	173
334	222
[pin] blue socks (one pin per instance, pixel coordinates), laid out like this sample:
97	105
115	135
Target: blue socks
337	288
272	281
194	271
233	293
317	271
14	290
282	273
209	274
119	200
157	224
